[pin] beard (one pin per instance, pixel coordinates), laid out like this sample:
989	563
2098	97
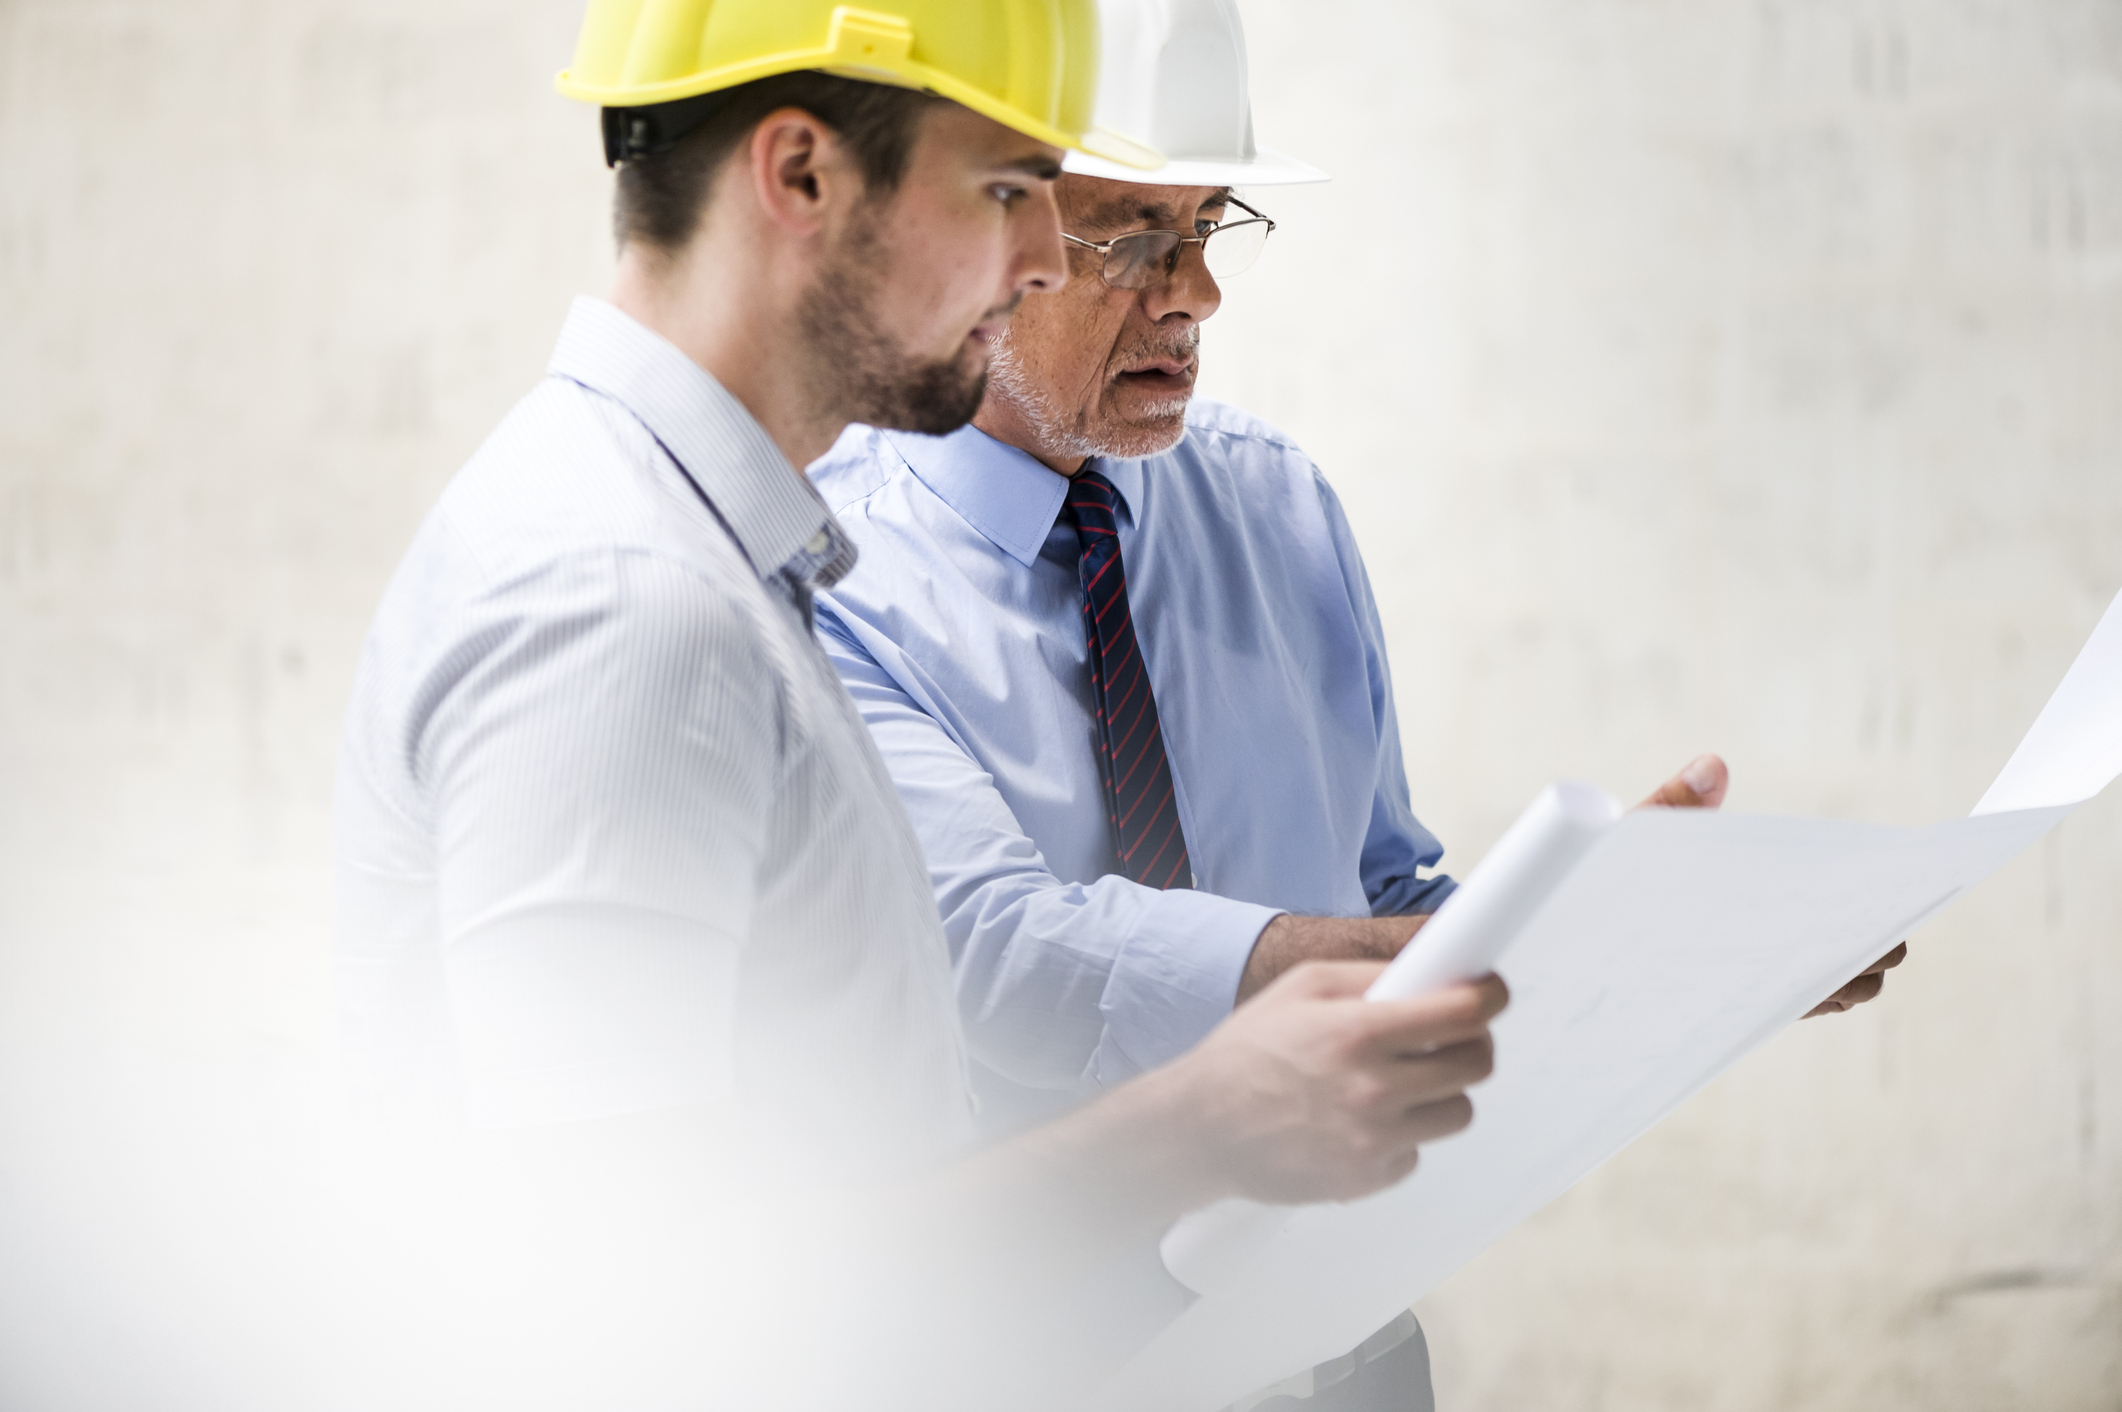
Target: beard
856	368
1095	428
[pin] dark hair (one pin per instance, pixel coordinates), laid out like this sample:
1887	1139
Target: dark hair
660	196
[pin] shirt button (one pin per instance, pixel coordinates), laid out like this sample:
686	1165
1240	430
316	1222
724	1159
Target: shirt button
819	543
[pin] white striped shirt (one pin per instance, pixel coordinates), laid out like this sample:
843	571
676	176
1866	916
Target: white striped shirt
610	834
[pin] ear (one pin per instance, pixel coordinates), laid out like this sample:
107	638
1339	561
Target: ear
799	171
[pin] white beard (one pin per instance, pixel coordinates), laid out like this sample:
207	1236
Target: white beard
1055	434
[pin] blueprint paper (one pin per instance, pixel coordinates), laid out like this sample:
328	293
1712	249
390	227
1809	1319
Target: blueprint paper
2074	749
1683	941
1466	939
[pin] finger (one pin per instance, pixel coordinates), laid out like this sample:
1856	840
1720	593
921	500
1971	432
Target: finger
1887	962
1396	1156
1427	1078
1429	1121
1863	988
1373	1172
1701	785
1398	1146
1420	1023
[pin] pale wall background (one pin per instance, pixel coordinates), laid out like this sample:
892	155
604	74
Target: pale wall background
1734	374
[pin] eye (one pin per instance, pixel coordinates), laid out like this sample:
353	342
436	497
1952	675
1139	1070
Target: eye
1008	193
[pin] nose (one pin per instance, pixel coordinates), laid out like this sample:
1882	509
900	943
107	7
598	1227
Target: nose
1189	290
1041	264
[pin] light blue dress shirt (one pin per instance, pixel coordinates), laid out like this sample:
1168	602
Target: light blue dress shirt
960	635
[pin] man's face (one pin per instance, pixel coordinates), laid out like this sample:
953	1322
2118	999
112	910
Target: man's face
1090	370
918	287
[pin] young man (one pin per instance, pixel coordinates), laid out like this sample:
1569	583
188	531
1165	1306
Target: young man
622	879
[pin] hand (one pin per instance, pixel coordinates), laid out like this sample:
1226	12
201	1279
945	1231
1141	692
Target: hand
1312	1093
1288	940
1865	987
1701	786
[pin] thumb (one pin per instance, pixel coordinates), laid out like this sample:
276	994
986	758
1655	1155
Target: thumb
1700	785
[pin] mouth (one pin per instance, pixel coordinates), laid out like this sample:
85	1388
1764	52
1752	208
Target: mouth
994	323
1161	376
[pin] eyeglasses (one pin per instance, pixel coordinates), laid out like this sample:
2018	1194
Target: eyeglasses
1141	258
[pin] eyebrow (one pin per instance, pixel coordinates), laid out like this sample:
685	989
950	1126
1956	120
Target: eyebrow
1121	210
1038	168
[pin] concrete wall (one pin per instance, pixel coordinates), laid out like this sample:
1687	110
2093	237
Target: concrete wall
1724	375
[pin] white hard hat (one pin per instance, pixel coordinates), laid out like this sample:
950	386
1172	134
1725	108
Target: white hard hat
1172	74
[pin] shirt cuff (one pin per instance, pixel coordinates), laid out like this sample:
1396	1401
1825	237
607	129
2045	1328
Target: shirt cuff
1412	897
1175	978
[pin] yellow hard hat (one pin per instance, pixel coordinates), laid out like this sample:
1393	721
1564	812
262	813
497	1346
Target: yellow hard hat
1030	65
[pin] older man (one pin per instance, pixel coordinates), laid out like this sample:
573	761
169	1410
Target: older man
1118	644
1118	647
1121	654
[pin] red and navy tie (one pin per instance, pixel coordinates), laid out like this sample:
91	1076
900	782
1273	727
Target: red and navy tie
1138	778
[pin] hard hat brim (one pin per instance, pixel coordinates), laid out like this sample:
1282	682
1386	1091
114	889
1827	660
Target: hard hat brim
1266	168
1132	156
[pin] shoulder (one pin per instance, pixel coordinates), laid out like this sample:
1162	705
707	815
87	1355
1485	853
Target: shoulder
1252	449
571	496
1228	449
621	621
1213	425
560	550
600	648
621	613
567	470
1230	457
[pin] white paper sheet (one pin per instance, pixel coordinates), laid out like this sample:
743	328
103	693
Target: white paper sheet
2074	748
1680	944
1465	940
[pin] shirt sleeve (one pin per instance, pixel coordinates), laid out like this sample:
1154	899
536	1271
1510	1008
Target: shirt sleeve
1061	985
599	745
1397	848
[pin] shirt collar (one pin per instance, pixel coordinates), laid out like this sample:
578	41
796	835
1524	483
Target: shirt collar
777	519
1004	492
1126	477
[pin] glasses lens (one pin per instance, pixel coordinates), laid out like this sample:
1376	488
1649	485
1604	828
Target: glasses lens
1140	260
1232	249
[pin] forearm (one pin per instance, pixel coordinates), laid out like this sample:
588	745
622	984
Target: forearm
1062	983
989	1282
1287	940
1029	1272
1097	1182
993	1281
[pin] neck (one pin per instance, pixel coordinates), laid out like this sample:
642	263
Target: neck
1003	417
737	320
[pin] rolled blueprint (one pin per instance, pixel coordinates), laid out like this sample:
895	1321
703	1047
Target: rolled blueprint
1480	920
1462	942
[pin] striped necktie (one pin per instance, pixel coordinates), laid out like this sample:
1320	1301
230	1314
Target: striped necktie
1138	777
